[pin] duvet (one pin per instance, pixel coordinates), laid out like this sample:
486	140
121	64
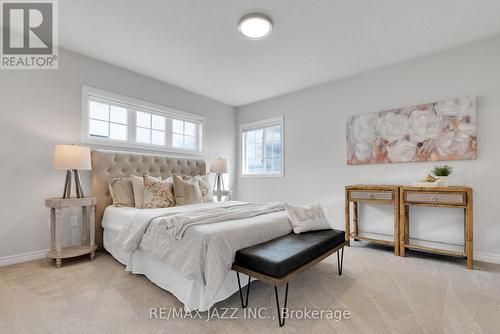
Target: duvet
199	241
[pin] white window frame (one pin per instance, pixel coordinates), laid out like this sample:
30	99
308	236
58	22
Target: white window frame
132	105
261	125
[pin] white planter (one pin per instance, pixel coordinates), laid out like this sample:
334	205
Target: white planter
443	180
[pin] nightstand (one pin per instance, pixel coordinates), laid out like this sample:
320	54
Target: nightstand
371	194
88	246
438	197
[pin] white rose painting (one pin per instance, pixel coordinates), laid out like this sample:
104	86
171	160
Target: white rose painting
437	131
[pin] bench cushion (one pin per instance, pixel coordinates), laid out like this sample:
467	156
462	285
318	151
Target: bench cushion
281	256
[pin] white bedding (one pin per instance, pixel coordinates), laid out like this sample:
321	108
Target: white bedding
192	294
113	221
115	218
201	261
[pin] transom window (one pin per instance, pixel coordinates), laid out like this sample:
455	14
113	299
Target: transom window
262	148
150	129
183	134
108	121
116	120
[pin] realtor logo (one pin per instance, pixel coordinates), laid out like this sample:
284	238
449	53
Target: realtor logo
29	34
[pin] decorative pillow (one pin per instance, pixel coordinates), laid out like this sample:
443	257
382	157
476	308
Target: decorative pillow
187	190
138	187
307	218
121	192
204	184
157	193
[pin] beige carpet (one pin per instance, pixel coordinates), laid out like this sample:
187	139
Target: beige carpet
384	294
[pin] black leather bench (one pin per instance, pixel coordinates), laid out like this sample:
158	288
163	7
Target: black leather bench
279	260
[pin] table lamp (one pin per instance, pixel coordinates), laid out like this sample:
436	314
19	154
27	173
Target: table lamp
72	158
219	167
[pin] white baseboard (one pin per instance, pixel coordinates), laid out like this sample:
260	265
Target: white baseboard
24	257
487	257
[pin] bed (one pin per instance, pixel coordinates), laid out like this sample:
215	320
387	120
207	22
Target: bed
196	267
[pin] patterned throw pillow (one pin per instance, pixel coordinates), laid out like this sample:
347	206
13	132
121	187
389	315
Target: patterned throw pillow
157	193
138	187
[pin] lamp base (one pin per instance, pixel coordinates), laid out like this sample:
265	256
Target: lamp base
67	185
223	193
219	183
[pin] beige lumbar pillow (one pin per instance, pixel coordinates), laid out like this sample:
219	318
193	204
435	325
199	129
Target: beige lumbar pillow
187	190
158	193
121	192
307	218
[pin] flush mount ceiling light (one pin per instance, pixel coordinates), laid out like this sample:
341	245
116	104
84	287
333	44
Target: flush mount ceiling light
255	26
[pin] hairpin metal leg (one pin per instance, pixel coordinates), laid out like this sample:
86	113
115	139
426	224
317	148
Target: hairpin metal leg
243	304
281	319
340	260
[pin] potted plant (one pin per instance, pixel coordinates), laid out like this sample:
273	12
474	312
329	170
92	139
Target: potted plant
442	173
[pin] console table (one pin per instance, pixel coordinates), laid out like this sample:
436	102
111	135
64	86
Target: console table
447	197
371	194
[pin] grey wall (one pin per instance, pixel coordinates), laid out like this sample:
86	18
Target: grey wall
315	165
41	108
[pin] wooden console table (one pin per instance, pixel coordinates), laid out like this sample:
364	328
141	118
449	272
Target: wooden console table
371	194
56	206
448	197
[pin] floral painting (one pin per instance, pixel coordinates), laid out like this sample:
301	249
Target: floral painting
443	130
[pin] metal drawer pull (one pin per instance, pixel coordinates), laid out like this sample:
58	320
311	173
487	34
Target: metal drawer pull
434	199
371	196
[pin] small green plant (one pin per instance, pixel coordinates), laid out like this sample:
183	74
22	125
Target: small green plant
442	170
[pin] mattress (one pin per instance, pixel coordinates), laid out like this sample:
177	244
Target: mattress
189	292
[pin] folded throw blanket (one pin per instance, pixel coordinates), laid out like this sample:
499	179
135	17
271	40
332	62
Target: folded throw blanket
177	224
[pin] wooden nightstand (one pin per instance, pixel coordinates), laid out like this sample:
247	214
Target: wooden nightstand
88	245
439	197
371	194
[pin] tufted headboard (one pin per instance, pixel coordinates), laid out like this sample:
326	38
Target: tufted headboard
112	164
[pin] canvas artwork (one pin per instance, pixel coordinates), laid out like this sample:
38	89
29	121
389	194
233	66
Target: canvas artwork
444	130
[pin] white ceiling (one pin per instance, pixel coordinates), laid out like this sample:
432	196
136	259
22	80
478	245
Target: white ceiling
195	44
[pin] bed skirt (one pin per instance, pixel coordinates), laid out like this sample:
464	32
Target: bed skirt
190	293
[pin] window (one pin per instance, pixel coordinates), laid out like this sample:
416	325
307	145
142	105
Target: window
150	129
108	121
112	119
183	134
262	148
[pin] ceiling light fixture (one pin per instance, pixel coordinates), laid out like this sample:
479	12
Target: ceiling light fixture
255	26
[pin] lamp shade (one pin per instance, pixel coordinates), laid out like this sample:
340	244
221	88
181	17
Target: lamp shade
72	157
218	166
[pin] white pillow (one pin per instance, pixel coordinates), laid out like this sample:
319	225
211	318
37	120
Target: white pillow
307	218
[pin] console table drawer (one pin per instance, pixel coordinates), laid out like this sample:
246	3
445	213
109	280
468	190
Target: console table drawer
371	195
419	197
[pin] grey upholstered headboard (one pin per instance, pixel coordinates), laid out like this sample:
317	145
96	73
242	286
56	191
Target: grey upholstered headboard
112	164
